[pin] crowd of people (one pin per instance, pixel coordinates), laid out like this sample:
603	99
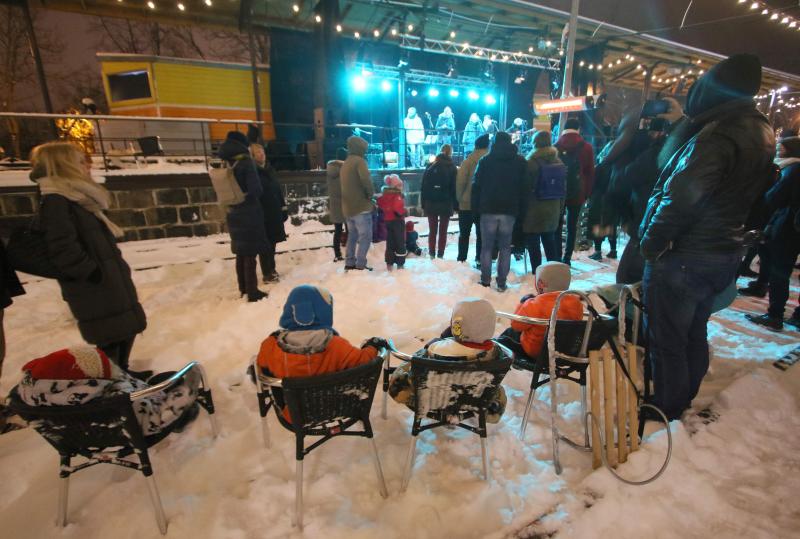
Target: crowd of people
686	187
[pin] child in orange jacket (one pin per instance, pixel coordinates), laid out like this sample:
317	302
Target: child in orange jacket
394	210
552	278
308	345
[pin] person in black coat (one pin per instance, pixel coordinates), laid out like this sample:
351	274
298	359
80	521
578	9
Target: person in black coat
245	220
81	242
275	211
438	198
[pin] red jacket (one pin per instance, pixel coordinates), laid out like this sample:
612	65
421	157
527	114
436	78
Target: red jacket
541	306
572	141
391	204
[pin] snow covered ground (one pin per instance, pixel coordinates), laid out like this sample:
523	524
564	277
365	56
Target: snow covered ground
736	477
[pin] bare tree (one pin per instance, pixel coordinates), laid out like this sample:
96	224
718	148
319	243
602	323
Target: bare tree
235	47
133	37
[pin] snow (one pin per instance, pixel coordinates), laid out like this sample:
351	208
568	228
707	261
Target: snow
734	477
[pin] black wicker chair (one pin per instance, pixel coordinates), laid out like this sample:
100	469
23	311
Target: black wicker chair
450	392
323	406
105	431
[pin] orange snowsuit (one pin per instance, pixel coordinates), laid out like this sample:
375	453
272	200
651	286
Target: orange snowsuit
541	306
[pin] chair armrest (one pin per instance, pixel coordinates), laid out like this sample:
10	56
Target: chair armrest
524	319
262	379
171	381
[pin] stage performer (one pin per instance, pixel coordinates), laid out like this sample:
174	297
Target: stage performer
445	126
472	131
415	137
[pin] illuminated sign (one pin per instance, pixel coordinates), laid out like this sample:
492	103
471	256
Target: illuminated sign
569	104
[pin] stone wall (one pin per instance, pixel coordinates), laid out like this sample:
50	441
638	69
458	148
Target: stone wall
151	207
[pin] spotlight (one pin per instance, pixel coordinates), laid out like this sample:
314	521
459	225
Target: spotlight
454	93
530	49
473	95
386	85
452	34
316	17
414	93
376	33
410	27
582	63
490	100
394	31
433	92
295	8
548	43
357	35
359	83
521	77
338	27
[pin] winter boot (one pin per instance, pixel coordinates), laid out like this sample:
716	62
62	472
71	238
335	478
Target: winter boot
794	320
612	255
754	289
772	323
597	255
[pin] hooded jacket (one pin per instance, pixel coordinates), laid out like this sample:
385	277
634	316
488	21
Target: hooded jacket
357	188
571	142
501	181
704	194
784	199
438	195
542	215
466	172
332	174
391	204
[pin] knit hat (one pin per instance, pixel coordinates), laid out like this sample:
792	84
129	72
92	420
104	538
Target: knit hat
393	181
473	320
308	307
409	226
483	141
791	145
76	363
555	276
236	136
737	77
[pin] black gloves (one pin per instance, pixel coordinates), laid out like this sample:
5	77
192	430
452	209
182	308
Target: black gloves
377	343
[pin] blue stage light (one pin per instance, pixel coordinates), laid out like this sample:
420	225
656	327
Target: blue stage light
453	93
359	83
433	92
414	93
473	95
386	85
490	100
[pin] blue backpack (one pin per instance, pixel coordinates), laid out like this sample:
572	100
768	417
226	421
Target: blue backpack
552	183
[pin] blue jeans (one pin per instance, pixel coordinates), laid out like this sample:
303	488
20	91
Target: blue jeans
496	228
679	290
359	238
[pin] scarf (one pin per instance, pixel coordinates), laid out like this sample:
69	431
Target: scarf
784	162
90	196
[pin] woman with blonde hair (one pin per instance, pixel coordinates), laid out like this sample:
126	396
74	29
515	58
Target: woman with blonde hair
82	243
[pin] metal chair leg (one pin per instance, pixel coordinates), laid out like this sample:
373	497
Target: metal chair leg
155	499
485	456
214	425
378	470
527	412
383	406
298	494
265	432
412	449
63	500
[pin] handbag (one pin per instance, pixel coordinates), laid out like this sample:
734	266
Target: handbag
225	186
27	251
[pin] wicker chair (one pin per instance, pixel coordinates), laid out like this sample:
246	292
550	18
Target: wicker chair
105	431
449	392
324	406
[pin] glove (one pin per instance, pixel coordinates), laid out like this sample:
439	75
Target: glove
376	342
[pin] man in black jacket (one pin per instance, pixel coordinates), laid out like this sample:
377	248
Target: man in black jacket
499	194
692	231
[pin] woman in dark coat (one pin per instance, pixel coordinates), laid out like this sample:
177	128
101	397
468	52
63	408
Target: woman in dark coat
439	198
275	211
81	243
245	220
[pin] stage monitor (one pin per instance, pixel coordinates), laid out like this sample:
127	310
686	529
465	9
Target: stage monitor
129	85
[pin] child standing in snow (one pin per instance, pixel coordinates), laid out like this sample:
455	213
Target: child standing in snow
394	210
472	327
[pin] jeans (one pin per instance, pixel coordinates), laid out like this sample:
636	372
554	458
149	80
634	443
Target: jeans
534	242
572	213
466	219
782	257
437	225
496	229
679	290
359	238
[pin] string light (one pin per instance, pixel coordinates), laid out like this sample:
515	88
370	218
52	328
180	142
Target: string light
376	33
317	18
181	6
394	31
209	3
295	8
530	49
151	4
582	63
357	35
410	27
453	34
754	5
338	27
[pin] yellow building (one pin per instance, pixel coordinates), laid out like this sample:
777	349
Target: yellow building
140	85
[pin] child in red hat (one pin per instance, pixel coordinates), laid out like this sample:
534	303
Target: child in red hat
394	210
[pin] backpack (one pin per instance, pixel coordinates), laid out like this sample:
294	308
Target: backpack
573	164
552	182
435	189
225	185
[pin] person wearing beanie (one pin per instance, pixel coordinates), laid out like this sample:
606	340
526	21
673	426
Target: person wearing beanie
578	156
307	344
245	220
783	240
692	233
552	278
332	173
500	195
275	211
466	215
438	198
393	208
468	338
411	239
357	192
82	374
542	215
